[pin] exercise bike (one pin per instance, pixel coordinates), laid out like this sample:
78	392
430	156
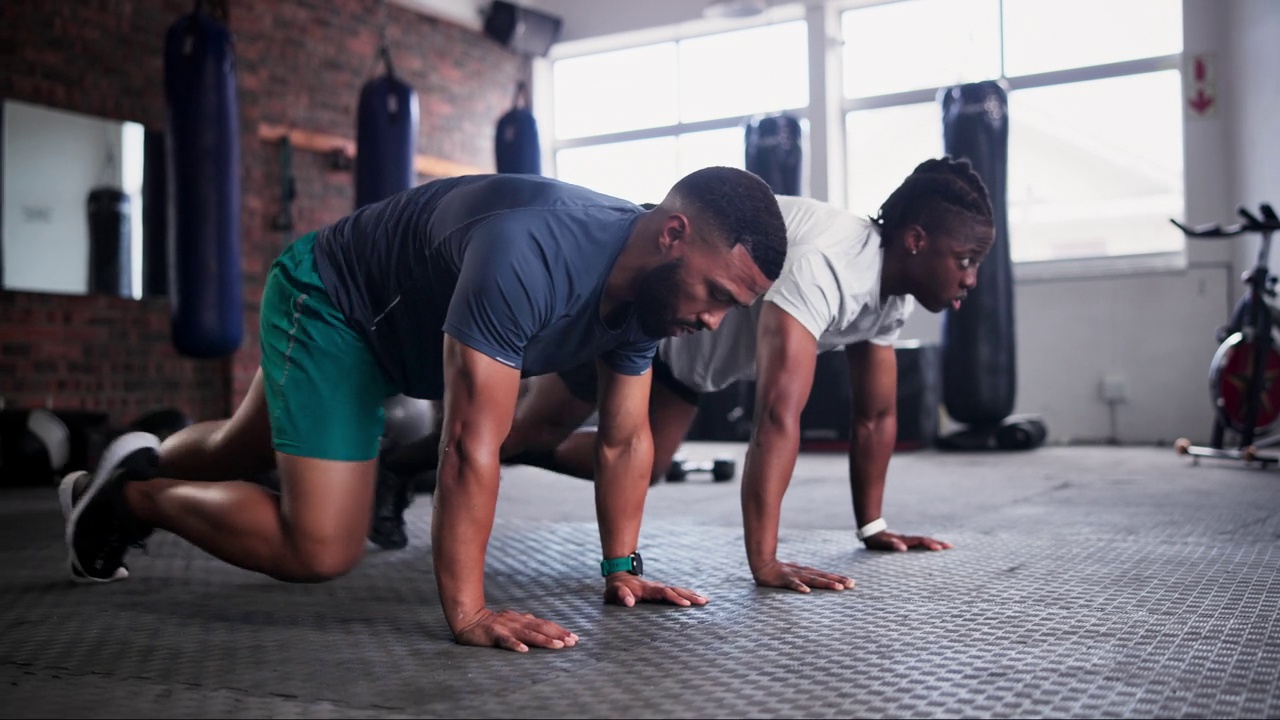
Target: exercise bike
1244	370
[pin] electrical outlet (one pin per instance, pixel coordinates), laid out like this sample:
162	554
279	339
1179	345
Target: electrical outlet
1114	389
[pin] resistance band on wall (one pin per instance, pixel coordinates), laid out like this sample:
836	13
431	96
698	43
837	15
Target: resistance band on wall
283	221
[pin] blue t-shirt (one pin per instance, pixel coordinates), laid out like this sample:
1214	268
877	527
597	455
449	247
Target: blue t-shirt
513	266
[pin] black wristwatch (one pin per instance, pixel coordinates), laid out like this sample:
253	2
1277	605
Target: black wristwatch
631	563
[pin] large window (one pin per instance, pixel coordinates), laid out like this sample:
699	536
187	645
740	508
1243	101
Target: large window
1088	179
1095	110
920	44
904	136
643	170
632	122
1095	118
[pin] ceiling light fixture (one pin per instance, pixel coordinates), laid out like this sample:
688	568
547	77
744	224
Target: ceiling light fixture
734	8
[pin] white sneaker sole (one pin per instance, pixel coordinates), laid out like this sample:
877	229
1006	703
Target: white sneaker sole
116	452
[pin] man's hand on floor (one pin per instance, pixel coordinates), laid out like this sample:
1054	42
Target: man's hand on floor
623	588
799	577
894	542
513	631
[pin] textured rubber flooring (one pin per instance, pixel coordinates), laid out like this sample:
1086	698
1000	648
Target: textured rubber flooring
1114	595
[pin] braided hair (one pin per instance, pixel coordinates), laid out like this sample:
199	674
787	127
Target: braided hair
937	195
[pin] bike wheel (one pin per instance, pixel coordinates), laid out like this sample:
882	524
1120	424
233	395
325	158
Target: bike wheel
1229	376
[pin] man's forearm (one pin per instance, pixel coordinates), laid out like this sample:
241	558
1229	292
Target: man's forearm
465	497
869	454
771	456
622	483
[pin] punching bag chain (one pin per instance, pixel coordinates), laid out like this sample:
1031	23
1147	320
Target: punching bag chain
216	9
384	49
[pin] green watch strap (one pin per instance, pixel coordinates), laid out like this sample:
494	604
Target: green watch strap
631	563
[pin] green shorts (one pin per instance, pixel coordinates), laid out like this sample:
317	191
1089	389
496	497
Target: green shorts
324	388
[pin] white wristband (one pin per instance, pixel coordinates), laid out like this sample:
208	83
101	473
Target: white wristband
875	526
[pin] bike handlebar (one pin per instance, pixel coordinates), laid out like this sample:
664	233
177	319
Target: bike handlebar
1269	223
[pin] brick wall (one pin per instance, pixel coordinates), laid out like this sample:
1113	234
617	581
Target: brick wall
300	63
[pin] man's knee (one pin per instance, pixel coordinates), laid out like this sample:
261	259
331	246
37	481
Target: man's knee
321	560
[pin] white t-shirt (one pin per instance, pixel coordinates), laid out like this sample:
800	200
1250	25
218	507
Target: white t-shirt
830	283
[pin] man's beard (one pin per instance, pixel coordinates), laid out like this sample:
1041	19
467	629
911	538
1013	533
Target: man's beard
655	303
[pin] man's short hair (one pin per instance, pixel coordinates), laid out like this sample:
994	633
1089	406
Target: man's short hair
741	209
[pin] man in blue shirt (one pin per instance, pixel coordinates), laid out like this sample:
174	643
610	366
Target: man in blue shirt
453	290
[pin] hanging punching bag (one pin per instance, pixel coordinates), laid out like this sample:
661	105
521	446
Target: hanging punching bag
979	377
110	243
516	140
386	137
207	312
773	152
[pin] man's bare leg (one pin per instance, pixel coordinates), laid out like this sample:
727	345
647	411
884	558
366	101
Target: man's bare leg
232	449
313	531
547	413
670	417
547	416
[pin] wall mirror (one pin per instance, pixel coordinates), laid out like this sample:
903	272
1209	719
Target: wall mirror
82	203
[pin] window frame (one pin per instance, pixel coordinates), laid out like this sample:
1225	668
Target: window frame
825	172
544	78
1088	266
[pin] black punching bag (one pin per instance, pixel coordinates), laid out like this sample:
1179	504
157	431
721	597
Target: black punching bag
516	143
110	243
773	152
979	373
386	137
206	304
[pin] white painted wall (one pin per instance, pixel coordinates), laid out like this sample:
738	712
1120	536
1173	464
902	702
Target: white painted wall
1254	101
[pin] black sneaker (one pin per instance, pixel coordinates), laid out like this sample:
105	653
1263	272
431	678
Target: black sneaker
100	527
392	497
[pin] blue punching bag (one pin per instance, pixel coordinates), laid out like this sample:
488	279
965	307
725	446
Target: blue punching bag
386	137
773	152
207	308
978	350
516	143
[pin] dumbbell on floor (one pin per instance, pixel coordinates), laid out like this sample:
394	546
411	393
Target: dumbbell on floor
721	469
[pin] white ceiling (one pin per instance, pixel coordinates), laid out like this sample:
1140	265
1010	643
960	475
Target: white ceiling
582	18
